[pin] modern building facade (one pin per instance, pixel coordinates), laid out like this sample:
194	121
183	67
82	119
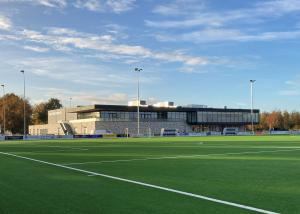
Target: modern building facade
122	119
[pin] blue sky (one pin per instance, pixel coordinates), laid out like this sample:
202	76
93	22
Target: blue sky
191	51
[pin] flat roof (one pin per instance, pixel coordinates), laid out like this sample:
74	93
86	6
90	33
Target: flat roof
125	108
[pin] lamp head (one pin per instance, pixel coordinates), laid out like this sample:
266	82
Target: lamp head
138	69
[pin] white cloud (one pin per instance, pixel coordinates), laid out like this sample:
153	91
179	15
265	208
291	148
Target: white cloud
66	39
64	31
73	70
293	87
278	7
119	6
36	49
46	3
179	7
82	97
52	3
117	31
116	6
93	5
5	23
289	93
292	83
114	98
241	104
223	34
179	57
191	18
205	20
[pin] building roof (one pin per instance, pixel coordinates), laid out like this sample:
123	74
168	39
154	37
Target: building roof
98	108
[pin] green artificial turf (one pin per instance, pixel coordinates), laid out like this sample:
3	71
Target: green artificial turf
261	172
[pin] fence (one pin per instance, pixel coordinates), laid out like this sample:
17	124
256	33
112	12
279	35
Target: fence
48	137
53	137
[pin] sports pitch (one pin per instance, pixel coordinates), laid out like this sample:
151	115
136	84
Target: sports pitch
207	175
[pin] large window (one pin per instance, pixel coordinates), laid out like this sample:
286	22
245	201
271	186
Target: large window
191	117
88	115
113	115
177	115
143	115
226	117
162	115
148	115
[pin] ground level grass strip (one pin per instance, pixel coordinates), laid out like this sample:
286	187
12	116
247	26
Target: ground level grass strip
145	184
182	156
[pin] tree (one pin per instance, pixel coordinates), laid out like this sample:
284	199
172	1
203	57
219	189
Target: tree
263	124
53	103
274	120
40	111
286	120
295	120
39	115
15	113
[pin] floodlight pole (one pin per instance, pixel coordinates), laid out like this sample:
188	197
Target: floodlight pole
70	102
138	70
252	119
4	106
24	103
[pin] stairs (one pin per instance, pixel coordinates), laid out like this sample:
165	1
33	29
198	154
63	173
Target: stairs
67	129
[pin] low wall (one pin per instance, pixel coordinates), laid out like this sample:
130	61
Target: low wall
48	137
14	137
244	133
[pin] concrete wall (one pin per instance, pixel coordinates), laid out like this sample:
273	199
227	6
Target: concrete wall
47	129
120	127
84	126
38	129
53	126
89	126
63	114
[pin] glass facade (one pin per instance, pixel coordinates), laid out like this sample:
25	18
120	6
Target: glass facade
226	117
88	115
193	117
177	115
128	116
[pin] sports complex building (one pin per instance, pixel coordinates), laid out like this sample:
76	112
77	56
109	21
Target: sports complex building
122	119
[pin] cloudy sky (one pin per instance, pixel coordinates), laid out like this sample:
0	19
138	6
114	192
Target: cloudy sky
191	51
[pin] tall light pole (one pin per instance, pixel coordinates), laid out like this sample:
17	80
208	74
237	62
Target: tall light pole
4	106
70	102
138	70
252	119
24	103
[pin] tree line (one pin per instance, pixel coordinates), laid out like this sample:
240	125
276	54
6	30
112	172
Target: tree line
14	112
279	120
38	114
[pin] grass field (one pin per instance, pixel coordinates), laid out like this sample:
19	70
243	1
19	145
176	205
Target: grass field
158	175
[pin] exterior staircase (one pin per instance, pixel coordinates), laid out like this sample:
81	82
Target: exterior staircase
66	127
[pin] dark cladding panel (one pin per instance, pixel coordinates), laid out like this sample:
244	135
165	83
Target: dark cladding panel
230	117
192	117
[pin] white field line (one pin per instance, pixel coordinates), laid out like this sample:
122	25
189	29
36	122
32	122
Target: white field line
61	150
146	185
196	145
180	156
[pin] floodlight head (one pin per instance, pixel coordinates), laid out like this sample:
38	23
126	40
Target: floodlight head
138	69
22	71
252	81
2	85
